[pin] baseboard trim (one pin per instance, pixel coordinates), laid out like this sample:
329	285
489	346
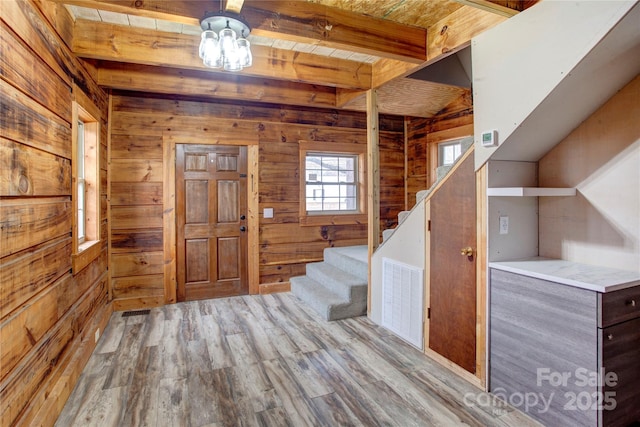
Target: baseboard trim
272	288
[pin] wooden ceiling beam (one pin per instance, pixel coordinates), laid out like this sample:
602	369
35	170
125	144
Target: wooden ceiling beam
297	21
234	6
183	12
98	40
313	23
173	81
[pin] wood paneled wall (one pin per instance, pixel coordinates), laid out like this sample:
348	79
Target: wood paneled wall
423	136
48	315
285	246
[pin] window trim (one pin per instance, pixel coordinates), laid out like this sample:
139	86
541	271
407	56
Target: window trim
333	217
87	249
433	157
354	183
449	143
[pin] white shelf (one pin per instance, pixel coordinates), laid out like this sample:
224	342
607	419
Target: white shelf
530	191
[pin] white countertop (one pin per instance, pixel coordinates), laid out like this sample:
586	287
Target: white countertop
599	279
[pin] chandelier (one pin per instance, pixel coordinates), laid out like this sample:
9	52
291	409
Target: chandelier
220	46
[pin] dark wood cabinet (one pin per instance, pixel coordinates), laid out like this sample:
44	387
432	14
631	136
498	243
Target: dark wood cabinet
563	354
620	353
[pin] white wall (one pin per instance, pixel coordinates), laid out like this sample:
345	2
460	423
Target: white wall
521	241
601	158
537	75
407	246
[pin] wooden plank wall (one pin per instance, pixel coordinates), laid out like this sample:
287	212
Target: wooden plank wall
138	125
423	136
48	316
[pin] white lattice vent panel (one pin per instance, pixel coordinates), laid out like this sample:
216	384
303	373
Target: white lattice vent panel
402	300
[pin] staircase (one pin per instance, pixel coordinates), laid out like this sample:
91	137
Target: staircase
337	287
441	172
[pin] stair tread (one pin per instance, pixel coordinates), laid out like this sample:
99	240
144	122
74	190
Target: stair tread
328	271
353	259
358	253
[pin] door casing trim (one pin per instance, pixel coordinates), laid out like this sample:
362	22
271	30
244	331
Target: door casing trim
169	227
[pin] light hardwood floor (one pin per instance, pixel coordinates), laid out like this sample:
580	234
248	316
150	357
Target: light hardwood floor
267	361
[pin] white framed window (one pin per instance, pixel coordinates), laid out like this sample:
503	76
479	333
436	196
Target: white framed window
448	152
85	162
332	183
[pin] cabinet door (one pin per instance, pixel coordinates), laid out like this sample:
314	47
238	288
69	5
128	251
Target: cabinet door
621	355
540	331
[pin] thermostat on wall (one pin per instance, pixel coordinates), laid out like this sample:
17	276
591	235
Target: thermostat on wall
490	138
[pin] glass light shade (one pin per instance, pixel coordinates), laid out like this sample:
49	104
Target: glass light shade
210	50
228	41
232	61
244	52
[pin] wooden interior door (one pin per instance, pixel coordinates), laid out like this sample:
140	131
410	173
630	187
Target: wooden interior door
211	206
452	293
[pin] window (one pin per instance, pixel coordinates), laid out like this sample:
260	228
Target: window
332	183
86	181
448	152
81	206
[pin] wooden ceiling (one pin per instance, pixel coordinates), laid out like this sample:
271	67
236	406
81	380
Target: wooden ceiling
324	53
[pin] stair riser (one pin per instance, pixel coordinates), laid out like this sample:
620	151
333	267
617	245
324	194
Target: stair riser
347	264
334	284
316	304
328	310
353	310
386	234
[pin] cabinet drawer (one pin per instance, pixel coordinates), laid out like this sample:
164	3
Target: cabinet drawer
619	306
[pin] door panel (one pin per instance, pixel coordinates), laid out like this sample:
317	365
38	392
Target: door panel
196	211
452	325
211	199
228	247
197	259
228	201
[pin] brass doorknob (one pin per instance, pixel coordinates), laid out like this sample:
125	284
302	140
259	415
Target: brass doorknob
468	251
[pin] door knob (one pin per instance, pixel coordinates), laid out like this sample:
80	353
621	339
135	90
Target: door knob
468	251
243	228
242	217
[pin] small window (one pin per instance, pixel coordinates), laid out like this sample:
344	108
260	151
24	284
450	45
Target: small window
81	187
86	179
448	152
331	183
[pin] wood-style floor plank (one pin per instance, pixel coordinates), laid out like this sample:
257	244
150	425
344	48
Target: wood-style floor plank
267	361
142	398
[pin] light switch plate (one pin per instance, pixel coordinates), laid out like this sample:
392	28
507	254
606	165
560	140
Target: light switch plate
267	213
504	225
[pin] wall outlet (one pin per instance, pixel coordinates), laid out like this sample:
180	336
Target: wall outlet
267	213
504	225
96	336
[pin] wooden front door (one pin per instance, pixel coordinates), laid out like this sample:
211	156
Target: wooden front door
211	207
452	295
